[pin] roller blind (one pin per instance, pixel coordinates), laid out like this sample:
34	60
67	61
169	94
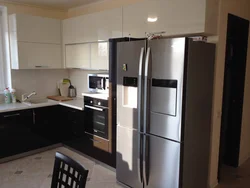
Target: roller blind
5	71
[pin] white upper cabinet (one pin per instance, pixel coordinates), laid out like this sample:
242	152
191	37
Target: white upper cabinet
35	29
78	56
100	56
94	27
35	42
39	56
91	56
174	17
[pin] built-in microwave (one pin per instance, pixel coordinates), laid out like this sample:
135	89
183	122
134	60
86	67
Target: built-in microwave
98	83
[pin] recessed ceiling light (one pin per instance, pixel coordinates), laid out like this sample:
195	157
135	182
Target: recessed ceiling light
152	19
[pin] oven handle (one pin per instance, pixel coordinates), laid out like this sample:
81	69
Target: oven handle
94	108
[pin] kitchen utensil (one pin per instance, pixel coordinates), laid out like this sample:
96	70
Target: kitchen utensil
64	89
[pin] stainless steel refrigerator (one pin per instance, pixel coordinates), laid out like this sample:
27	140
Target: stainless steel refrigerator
164	104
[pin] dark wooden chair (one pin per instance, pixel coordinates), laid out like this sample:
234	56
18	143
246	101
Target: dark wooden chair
68	173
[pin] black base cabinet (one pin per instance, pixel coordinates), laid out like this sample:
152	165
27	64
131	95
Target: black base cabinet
46	124
16	135
26	130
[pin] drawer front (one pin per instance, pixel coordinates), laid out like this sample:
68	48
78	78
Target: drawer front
98	143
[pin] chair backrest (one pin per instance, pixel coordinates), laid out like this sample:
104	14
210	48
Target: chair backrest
68	173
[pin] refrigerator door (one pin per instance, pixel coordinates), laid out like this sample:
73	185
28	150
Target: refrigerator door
162	159
129	59
127	157
165	89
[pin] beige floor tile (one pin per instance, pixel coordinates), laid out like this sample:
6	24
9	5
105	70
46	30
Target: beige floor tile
235	177
102	185
101	174
36	170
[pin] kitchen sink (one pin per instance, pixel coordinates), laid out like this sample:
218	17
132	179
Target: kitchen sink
37	101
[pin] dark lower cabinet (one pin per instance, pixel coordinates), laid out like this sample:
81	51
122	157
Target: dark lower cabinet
15	133
73	128
26	130
46	124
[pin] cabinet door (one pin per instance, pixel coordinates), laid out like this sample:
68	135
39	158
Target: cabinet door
35	29
103	25
70	30
37	55
15	134
78	56
73	125
100	56
172	17
99	26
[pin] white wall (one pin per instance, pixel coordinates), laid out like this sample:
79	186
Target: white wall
79	79
238	8
44	82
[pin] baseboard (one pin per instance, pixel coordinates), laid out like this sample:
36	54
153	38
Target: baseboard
214	184
244	160
33	152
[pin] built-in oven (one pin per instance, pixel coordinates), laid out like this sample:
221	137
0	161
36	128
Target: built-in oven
98	83
96	117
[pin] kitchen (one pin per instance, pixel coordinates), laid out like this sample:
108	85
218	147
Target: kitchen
49	54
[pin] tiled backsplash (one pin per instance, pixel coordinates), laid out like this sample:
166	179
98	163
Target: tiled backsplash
79	79
44	82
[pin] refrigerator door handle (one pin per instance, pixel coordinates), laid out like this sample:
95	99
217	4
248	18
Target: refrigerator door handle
147	84
146	160
139	107
139	97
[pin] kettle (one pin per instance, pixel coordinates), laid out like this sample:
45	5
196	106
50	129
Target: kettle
72	91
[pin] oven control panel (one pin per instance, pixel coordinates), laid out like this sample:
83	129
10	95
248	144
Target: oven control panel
95	102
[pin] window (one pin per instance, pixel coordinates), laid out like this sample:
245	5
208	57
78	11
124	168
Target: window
5	70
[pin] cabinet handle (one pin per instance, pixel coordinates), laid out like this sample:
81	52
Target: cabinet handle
12	115
34	117
41	66
93	108
95	140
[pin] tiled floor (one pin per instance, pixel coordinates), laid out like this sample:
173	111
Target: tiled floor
235	177
36	171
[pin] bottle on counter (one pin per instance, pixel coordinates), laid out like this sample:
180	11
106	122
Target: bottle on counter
7	96
13	95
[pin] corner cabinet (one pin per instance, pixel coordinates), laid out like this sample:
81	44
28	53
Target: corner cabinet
35	42
172	17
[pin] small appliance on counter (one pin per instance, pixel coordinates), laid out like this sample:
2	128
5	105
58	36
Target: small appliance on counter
72	90
98	83
66	89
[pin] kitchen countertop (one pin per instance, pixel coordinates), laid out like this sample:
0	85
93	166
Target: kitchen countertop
76	103
104	96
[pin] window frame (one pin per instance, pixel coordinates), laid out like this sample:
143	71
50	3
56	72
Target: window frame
5	48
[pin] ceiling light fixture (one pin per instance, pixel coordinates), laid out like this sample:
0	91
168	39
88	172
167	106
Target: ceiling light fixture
152	19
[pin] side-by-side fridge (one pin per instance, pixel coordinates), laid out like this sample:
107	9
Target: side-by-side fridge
164	104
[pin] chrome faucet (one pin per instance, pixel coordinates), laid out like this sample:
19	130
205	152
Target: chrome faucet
27	97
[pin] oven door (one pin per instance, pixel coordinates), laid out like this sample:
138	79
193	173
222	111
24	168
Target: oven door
96	121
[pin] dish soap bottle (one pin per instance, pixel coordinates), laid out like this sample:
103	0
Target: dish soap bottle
13	95
7	96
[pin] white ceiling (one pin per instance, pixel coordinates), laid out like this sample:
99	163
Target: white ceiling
59	4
